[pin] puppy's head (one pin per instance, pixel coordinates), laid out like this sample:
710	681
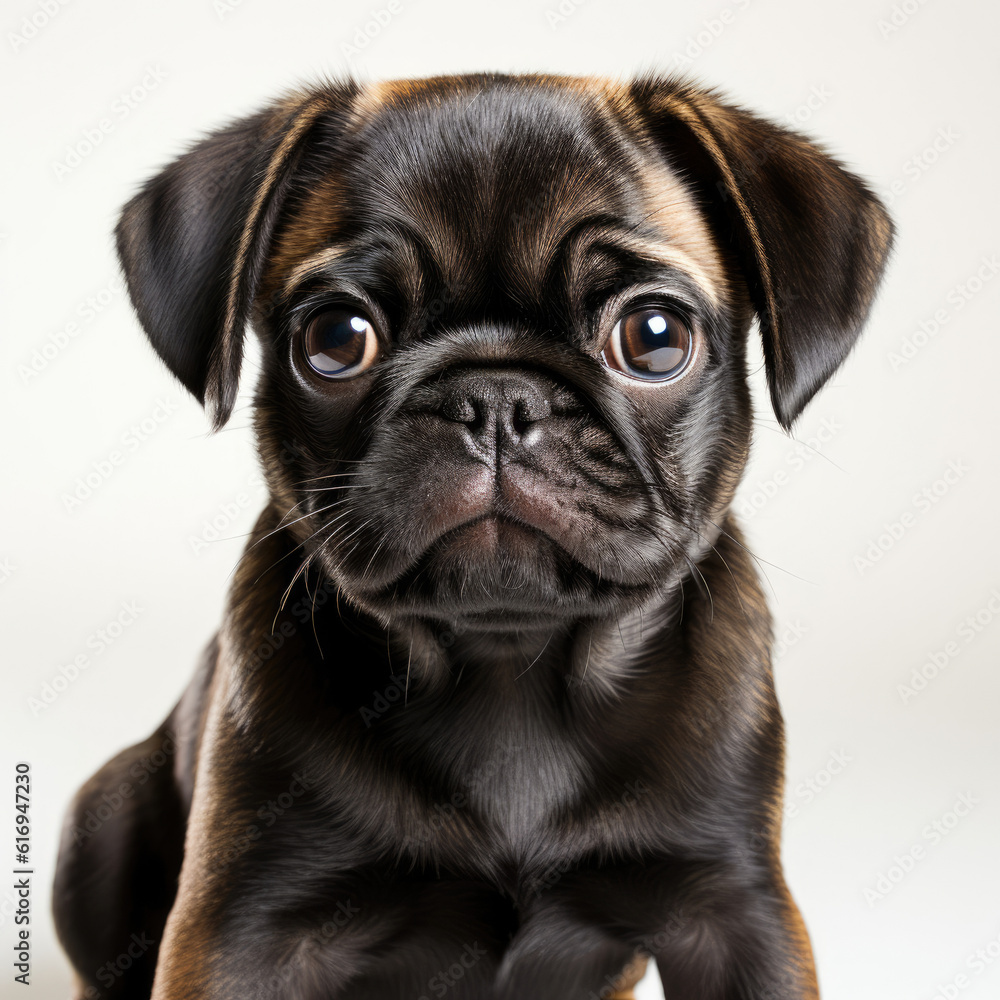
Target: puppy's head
503	323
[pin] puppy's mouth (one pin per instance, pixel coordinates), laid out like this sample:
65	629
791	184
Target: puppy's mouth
520	546
499	567
491	536
491	563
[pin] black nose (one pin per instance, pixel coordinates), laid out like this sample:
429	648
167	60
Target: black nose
495	403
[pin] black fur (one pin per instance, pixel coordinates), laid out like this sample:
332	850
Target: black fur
491	711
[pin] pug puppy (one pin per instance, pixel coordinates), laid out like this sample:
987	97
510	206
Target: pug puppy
491	711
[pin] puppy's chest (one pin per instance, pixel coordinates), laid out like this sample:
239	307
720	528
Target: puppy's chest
499	792
522	782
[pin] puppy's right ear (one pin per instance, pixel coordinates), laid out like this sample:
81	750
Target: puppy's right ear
194	240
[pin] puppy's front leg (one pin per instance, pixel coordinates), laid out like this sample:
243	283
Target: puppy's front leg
332	936
192	937
184	969
733	937
718	930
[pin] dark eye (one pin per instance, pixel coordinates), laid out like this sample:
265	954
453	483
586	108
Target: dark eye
340	342
651	344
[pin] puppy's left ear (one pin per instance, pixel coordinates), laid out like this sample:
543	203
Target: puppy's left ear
193	242
811	238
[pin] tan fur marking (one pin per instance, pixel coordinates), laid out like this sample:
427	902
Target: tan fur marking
305	235
372	98
685	111
671	207
184	957
314	263
313	225
689	241
632	973
310	111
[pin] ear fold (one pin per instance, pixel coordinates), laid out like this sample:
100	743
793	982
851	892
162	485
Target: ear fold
194	240
810	236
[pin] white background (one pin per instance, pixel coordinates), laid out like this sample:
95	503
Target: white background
881	95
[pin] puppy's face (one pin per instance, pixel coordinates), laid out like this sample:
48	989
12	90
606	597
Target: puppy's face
504	324
503	334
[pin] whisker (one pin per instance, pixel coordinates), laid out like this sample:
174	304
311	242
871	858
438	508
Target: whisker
770	426
312	612
590	646
539	656
330	475
326	489
760	561
409	659
281	527
288	590
298	545
703	585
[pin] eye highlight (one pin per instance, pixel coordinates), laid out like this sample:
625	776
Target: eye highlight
340	342
652	344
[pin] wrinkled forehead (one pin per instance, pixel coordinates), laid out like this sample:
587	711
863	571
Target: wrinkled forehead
492	185
511	168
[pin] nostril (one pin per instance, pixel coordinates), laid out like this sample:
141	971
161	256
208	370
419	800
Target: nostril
478	419
462	410
529	410
521	419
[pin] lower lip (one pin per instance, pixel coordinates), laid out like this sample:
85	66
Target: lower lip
493	535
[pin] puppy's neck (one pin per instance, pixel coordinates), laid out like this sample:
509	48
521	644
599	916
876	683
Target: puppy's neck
278	616
588	654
